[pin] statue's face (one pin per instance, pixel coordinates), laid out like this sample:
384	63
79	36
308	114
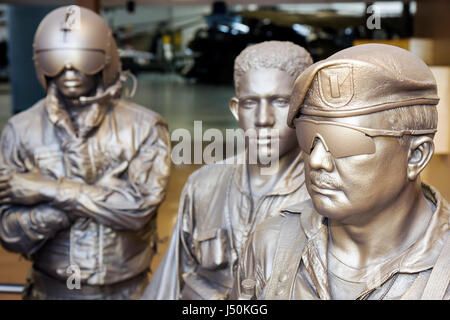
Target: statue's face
263	103
73	84
350	188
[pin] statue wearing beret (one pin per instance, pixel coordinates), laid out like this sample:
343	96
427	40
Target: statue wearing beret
365	120
83	171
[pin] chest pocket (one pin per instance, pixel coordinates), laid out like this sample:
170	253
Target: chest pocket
50	161
212	249
109	156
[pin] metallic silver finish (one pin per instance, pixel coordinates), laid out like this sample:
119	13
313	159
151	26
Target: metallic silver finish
214	222
357	140
403	276
221	204
354	82
105	189
42	287
76	37
80	186
371	230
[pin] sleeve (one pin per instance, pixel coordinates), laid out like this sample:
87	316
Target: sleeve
10	158
127	197
166	282
24	229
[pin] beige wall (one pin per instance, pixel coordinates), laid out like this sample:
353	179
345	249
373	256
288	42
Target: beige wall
432	21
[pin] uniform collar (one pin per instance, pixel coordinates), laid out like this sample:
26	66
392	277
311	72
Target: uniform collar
421	256
292	179
58	116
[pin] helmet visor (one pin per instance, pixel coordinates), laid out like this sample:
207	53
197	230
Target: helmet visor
52	62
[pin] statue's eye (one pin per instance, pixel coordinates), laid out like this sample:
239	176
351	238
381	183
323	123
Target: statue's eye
250	103
280	102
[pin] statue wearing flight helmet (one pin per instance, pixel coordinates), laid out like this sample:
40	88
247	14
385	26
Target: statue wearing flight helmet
83	171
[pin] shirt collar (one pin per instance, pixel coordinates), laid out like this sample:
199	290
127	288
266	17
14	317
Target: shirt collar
92	117
292	179
421	256
424	253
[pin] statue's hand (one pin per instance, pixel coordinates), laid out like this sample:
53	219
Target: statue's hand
111	178
26	188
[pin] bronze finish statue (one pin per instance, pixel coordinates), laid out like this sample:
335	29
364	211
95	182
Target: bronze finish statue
83	171
365	120
221	204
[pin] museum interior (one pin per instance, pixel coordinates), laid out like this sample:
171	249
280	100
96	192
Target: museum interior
182	53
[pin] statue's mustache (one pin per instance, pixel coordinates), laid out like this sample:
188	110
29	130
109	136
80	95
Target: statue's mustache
322	180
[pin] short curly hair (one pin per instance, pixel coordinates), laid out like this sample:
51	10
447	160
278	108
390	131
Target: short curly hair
282	55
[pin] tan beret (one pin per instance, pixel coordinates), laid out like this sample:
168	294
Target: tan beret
362	80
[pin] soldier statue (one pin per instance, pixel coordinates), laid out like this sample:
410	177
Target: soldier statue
82	171
365	119
222	203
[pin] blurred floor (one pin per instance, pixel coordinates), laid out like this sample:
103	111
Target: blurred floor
180	103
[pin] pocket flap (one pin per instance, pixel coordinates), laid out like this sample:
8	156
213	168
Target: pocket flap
207	234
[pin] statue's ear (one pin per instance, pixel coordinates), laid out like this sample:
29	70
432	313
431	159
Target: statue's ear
421	150
234	107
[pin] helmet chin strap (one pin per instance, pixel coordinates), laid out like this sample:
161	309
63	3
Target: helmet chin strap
113	90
